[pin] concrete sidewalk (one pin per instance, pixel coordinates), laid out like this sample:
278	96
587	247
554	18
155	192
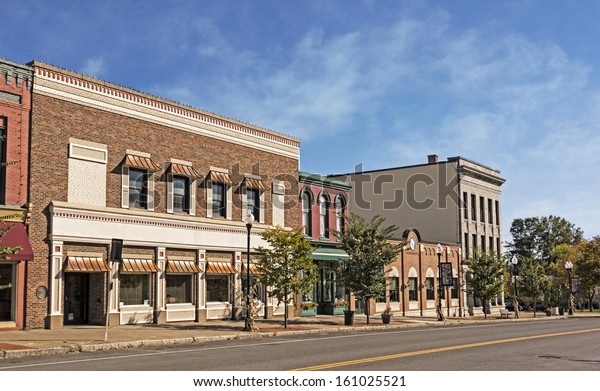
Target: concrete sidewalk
75	339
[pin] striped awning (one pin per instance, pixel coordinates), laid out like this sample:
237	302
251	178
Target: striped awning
141	162
221	177
139	265
181	169
86	264
220	268
253	269
182	267
252	183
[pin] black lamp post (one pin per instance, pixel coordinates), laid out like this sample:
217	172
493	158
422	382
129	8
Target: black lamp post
440	312
515	261
569	267
249	219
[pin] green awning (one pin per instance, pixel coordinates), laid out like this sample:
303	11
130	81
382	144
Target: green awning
329	254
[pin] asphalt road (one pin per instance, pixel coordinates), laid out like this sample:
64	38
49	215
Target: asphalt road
565	344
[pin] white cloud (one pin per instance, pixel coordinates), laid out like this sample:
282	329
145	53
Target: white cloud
94	67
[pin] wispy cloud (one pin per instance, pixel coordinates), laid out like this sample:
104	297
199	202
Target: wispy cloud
94	67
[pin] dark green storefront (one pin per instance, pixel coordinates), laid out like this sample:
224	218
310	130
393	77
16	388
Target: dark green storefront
329	294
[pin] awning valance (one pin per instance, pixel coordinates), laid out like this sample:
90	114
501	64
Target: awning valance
182	267
16	236
180	169
253	269
221	177
329	254
139	265
141	162
86	264
252	183
220	268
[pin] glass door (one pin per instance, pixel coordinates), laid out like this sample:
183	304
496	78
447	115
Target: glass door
7	292
76	298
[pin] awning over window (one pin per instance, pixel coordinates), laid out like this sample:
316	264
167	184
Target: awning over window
220	268
141	162
86	264
252	183
253	269
180	169
16	236
329	254
182	267
139	265
216	176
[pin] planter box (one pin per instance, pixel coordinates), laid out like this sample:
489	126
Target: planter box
309	311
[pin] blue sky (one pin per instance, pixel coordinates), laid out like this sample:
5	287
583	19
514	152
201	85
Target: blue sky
512	84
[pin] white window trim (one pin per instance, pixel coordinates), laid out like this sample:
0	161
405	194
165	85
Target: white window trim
148	276
191	194
261	198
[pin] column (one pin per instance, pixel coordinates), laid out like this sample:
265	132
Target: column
201	287
160	306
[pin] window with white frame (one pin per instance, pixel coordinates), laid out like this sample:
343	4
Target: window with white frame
253	202
413	293
340	206
429	288
181	194
306	214
179	288
219	200
134	289
138	189
218	288
323	216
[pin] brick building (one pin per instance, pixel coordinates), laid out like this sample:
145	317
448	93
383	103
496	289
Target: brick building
323	208
15	100
171	181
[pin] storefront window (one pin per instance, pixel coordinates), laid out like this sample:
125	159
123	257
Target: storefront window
134	289
430	293
454	292
413	294
179	288
217	288
394	289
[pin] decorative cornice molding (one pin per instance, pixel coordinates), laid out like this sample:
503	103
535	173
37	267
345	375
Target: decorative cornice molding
58	83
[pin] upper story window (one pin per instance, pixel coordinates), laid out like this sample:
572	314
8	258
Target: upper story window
2	159
181	194
323	215
490	212
465	205
481	210
138	189
306	213
473	208
219	200
253	200
340	209
497	212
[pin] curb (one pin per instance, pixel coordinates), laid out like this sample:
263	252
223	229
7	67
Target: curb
83	348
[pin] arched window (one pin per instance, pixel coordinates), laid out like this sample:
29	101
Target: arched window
324	216
306	220
340	209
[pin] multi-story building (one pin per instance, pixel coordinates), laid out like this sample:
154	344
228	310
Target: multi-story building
453	202
15	98
172	182
323	208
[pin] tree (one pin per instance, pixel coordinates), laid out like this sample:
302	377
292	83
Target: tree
485	276
369	251
534	282
588	267
537	237
287	267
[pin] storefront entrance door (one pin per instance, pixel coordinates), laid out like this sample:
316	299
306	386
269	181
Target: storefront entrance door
76	298
7	296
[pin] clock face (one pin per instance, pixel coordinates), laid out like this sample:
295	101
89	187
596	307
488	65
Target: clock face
411	243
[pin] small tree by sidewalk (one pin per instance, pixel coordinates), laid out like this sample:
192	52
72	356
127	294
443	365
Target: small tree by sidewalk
534	281
287	267
485	276
369	252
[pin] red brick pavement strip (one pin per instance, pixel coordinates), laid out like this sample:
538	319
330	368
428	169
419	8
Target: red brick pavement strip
10	346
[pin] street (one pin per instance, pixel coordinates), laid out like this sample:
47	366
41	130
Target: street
563	344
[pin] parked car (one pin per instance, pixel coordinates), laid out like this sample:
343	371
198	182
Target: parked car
509	305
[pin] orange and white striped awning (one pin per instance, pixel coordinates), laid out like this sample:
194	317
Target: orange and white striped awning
253	269
221	177
182	267
141	162
252	183
180	169
86	264
220	268
139	265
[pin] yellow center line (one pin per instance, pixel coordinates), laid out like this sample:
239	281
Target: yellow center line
438	350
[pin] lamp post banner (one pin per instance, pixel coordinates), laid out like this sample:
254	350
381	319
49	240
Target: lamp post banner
575	285
446	270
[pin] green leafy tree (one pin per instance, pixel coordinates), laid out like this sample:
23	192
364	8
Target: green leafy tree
369	251
534	281
537	237
588	268
485	276
287	267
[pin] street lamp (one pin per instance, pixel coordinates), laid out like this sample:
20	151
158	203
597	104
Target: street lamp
569	267
515	261
440	312
249	219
